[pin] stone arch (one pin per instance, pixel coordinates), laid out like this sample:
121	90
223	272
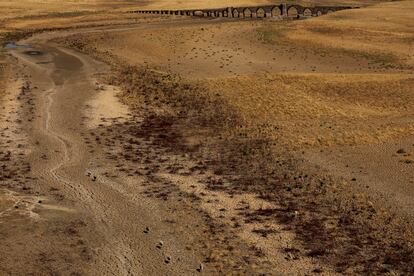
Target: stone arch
247	12
198	13
329	11
235	13
292	12
307	12
260	13
276	11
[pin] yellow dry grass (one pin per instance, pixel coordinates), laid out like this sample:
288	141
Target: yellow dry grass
332	109
299	111
384	32
51	10
294	108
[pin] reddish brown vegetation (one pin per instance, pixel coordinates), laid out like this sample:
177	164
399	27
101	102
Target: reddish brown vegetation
349	233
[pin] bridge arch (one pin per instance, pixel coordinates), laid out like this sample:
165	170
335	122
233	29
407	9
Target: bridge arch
292	12
235	13
307	12
276	12
247	12
329	11
198	13
260	13
319	13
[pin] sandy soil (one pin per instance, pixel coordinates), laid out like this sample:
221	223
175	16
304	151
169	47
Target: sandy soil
65	166
213	50
392	164
138	145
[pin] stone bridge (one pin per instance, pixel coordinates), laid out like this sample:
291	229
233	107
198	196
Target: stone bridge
275	11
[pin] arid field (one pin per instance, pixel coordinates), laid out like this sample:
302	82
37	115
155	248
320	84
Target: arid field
152	144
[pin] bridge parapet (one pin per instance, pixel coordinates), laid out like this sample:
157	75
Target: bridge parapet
286	11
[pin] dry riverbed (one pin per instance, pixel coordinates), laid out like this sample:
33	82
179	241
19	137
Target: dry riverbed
169	146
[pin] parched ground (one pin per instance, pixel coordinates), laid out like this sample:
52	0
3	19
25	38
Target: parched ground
267	147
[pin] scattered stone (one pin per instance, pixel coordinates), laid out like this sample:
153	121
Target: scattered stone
401	151
290	256
200	267
160	244
317	270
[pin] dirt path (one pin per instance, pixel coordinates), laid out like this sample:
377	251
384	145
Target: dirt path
115	216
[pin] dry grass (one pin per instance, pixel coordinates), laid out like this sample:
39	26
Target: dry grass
32	9
240	119
41	14
300	111
332	223
383	33
246	126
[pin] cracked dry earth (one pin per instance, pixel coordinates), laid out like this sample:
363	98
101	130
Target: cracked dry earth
61	214
80	195
90	185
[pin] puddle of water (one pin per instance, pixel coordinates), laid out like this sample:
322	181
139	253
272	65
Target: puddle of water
33	53
12	45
